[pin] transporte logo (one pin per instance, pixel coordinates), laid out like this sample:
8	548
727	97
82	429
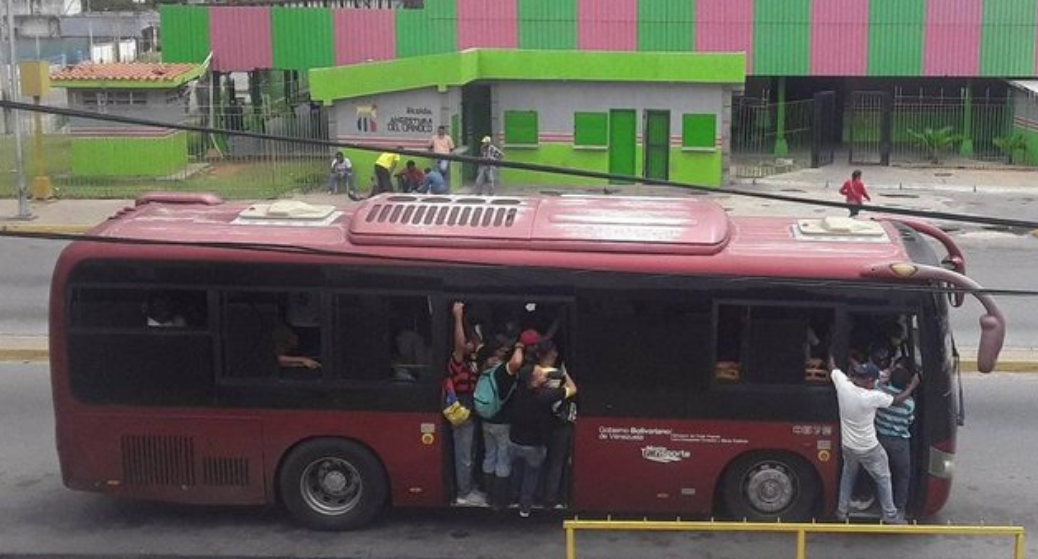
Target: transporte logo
664	455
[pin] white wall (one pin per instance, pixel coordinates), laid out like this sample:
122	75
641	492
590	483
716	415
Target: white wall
407	118
555	103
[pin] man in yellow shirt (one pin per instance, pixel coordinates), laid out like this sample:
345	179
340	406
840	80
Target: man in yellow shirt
384	166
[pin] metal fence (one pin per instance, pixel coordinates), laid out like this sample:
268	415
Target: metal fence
980	121
756	135
246	168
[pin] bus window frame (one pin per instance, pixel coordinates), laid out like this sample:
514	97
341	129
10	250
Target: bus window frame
353	384
743	385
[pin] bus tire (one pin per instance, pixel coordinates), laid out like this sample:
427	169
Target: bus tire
770	486
332	484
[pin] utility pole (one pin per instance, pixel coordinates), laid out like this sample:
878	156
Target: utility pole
11	93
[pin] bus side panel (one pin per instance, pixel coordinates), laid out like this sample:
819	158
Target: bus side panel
664	466
409	446
183	456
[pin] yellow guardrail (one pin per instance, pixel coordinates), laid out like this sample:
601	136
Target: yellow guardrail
799	529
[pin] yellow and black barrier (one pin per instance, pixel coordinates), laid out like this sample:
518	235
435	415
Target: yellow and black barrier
800	530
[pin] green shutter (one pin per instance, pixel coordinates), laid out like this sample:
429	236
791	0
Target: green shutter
185	33
430	30
782	37
1007	38
521	128
698	131
896	29
302	38
666	25
591	129
547	24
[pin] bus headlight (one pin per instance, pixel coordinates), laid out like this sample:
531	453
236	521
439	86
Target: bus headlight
942	464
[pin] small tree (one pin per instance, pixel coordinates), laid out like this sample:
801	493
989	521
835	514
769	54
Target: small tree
1010	146
935	141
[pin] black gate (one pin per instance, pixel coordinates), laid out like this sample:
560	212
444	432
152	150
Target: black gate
870	127
824	133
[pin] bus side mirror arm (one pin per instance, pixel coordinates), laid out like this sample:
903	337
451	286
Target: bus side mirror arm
955	261
992	322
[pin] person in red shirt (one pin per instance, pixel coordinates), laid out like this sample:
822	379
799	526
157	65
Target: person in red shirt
854	192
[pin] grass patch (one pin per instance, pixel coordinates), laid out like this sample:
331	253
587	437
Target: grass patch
232	180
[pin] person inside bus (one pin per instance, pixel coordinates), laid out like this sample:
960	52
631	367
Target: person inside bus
286	347
893	427
858	401
533	418
463	372
162	312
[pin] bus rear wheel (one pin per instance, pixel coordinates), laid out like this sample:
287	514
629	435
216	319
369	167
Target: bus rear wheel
332	484
769	487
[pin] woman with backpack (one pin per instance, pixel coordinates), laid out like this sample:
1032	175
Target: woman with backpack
493	391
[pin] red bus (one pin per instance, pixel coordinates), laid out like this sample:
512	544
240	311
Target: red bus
696	339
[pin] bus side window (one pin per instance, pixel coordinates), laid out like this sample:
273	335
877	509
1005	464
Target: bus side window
772	344
382	338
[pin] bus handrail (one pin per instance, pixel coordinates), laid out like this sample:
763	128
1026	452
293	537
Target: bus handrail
992	322
955	258
799	529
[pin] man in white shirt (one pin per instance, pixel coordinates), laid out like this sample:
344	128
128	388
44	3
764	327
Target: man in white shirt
858	402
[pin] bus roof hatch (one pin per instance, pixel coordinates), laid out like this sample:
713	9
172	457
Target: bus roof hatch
840	229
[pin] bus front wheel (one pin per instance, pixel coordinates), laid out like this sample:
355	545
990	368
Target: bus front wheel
332	484
770	487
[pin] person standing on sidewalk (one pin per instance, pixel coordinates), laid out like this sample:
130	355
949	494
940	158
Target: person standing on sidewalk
384	166
858	401
854	192
486	178
442	144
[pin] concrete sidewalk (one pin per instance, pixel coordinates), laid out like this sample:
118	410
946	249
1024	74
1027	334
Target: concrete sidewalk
923	188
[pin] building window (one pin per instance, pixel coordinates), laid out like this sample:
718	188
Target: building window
521	128
591	129
698	131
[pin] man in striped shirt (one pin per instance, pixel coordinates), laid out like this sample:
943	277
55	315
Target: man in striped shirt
892	429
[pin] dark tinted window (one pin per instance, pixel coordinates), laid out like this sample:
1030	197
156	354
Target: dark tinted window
770	344
383	338
140	346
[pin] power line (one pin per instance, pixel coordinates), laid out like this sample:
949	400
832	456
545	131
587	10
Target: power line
946	216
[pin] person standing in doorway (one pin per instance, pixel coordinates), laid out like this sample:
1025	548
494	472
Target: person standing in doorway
854	192
442	144
894	425
486	177
858	401
384	166
464	373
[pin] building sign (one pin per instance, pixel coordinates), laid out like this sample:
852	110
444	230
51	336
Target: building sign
367	118
415	120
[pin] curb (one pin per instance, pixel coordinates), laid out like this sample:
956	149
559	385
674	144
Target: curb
42	228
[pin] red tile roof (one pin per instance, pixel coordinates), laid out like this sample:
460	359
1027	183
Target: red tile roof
123	71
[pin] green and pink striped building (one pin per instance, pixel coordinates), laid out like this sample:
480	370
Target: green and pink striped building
802	46
883	38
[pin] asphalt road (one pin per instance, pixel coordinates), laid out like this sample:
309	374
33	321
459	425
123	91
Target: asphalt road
995	484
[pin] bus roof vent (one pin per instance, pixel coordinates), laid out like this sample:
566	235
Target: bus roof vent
288	212
834	228
561	223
